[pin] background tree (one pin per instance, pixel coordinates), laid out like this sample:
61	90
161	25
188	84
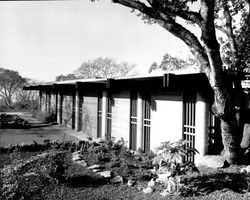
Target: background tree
170	63
206	49
104	68
100	68
27	99
66	77
10	83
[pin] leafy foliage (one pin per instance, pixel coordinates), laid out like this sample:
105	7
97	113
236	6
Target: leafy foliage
169	159
170	63
170	155
10	83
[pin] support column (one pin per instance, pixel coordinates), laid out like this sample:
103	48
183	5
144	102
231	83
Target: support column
201	125
139	121
43	101
40	100
104	113
77	111
59	106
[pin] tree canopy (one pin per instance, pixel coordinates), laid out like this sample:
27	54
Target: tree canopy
170	63
100	68
10	83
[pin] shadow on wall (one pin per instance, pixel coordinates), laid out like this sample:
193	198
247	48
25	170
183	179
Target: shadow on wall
86	125
67	114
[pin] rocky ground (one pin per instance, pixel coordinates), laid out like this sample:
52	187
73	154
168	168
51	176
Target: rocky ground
88	170
12	122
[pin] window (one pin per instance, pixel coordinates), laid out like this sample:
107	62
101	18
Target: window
189	101
109	116
133	120
146	122
73	110
99	115
215	145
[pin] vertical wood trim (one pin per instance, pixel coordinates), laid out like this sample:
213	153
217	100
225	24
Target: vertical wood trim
77	111
104	113
59	108
202	119
139	120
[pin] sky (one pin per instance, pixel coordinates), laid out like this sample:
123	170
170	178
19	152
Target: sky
44	39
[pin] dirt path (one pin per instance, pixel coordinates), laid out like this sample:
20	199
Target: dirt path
38	132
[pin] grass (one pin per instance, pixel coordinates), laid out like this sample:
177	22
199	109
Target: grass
54	176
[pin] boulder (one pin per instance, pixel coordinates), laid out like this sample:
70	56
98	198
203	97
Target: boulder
81	162
105	174
117	179
151	183
148	190
246	170
131	182
212	161
163	178
77	157
94	167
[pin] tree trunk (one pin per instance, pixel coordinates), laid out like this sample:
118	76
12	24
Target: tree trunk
230	140
224	104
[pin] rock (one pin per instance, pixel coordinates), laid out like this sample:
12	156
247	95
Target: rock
245	142
77	157
246	170
76	153
30	174
148	190
117	179
81	162
151	183
106	174
96	170
162	178
165	193
131	182
212	161
94	167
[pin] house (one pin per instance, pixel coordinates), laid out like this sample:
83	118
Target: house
145	110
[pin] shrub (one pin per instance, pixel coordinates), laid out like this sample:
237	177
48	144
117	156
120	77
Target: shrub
48	118
169	159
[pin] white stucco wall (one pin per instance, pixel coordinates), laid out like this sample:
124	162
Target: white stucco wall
166	117
120	115
89	116
43	101
67	107
53	102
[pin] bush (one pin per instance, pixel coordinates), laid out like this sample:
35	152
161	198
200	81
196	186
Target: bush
169	160
48	118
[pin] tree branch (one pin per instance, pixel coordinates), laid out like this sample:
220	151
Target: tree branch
187	15
168	23
229	32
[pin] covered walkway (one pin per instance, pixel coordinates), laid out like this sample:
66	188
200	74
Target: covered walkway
38	132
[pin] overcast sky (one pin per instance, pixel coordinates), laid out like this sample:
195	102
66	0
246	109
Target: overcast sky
44	39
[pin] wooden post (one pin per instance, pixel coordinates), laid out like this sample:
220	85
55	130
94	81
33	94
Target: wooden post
77	111
40	99
59	105
201	123
104	113
139	121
